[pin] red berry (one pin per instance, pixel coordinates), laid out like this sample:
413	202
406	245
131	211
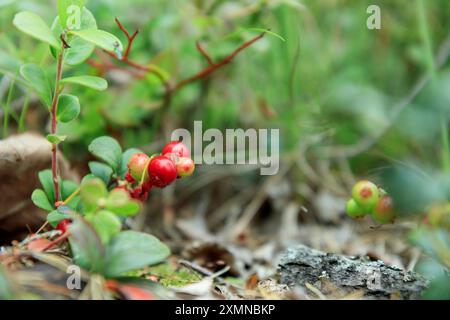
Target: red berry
384	211
136	166
147	186
177	148
129	178
162	171
63	225
136	193
185	167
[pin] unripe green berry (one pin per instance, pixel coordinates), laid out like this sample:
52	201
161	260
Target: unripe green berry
439	215
185	166
136	166
354	210
384	211
366	194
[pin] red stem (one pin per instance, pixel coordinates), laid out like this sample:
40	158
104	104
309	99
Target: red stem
204	53
205	72
148	69
57	240
53	112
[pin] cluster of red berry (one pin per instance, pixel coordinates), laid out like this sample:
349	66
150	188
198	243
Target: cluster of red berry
159	171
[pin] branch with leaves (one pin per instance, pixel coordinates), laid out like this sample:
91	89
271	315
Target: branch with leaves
170	89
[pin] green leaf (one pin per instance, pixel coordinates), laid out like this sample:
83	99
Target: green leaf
68	108
38	80
55	217
33	25
105	223
69	10
131	250
40	199
67	188
124	161
96	83
107	149
276	35
101	170
100	38
92	191
46	179
79	49
120	203
88	251
56	139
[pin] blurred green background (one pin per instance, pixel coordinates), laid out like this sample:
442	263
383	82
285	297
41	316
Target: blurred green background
331	77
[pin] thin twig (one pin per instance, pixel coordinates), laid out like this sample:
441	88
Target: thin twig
206	72
204	53
169	89
53	112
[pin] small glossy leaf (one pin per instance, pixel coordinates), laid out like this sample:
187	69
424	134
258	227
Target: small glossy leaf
92	191
101	170
86	246
33	25
55	217
40	199
131	250
96	83
69	11
56	139
107	149
46	179
105	223
68	108
38	80
100	38
67	188
120	202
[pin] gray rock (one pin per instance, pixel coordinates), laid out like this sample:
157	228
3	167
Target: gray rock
300	265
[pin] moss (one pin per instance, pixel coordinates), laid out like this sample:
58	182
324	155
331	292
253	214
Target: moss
170	275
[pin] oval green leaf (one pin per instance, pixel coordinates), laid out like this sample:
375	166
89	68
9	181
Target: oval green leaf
96	83
92	191
100	38
105	223
120	203
131	250
68	108
107	149
33	25
40	199
38	80
55	139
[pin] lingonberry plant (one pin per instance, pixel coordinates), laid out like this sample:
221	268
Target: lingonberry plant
91	214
